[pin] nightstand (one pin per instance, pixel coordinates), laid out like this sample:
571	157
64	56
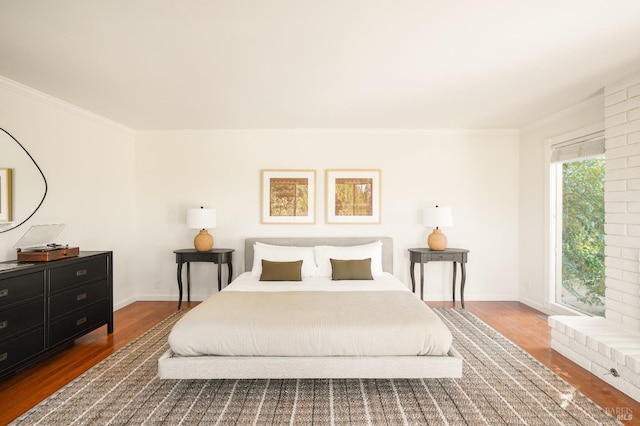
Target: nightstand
424	255
215	255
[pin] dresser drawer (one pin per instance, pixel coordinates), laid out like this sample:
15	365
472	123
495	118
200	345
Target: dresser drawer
20	318
451	257
21	288
21	348
77	298
75	324
77	273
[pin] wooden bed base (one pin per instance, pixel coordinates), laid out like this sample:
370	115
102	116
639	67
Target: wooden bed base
171	366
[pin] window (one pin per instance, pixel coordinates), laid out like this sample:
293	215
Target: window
577	223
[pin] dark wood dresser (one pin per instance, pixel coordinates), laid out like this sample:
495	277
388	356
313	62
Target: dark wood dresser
48	305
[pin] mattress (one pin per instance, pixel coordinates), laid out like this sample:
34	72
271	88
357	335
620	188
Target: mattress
313	317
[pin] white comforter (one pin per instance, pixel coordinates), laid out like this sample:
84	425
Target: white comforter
314	317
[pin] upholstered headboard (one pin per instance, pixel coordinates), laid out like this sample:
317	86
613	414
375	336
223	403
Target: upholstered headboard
387	246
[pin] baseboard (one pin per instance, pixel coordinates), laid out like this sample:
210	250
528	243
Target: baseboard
535	305
124	303
169	297
157	298
469	297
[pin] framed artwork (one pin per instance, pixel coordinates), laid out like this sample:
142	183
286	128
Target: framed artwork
288	196
353	196
5	195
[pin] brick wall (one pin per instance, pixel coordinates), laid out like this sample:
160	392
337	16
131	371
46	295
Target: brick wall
622	201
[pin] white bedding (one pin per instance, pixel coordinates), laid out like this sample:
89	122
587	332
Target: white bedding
313	317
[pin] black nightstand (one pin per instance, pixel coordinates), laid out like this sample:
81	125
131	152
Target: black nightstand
216	255
424	255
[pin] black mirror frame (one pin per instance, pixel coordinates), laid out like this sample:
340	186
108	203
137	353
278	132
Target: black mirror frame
43	178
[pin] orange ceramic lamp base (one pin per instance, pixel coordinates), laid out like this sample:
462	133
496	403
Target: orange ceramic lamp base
437	240
203	241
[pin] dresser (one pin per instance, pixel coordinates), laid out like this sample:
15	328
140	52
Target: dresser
47	305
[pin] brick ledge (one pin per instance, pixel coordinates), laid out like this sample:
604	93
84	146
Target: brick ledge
599	345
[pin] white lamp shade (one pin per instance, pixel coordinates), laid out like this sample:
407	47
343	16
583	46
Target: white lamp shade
437	217
201	218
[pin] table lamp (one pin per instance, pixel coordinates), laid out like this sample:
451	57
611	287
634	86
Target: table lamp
437	217
202	219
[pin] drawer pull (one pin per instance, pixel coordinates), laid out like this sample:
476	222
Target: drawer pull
4	292
81	297
81	272
81	321
4	324
3	356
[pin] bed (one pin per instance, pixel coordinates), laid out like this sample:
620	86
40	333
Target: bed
308	325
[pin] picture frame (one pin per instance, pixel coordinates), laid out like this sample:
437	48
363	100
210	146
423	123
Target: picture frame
5	195
288	196
353	196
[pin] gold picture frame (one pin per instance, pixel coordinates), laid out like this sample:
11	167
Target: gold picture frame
288	196
5	195
353	196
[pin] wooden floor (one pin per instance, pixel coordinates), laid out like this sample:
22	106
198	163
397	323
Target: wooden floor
524	326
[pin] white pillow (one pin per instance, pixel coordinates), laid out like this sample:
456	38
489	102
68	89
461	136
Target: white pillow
371	251
284	254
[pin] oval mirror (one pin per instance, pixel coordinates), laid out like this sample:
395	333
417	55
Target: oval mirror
23	194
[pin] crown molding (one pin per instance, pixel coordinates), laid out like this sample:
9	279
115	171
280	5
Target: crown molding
586	104
32	93
438	131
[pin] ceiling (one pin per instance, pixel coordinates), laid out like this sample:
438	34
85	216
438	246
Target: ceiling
211	64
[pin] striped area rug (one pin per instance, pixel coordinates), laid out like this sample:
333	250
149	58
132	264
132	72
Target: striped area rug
501	384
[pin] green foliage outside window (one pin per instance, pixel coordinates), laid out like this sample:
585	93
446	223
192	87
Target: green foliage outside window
583	233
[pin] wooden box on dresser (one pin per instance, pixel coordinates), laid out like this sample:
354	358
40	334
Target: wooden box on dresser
47	305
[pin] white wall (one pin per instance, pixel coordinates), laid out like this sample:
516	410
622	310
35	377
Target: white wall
89	165
474	172
127	192
532	213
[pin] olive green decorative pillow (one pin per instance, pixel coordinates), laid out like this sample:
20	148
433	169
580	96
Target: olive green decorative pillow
281	271
351	269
